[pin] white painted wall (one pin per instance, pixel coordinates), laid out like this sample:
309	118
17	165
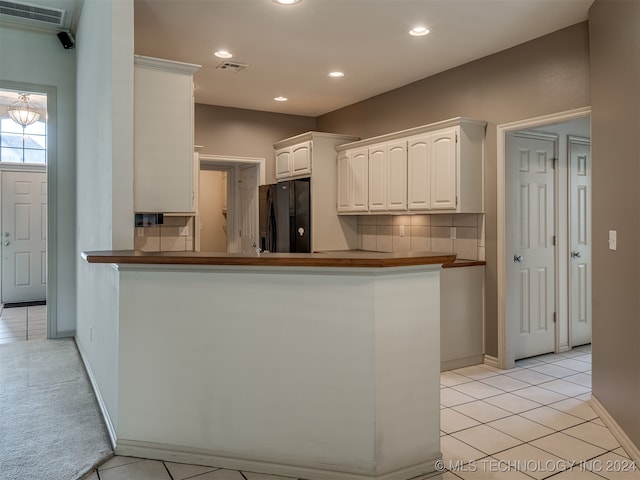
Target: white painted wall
104	180
213	222
286	383
38	58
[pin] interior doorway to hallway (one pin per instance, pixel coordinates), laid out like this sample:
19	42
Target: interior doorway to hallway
227	219
544	271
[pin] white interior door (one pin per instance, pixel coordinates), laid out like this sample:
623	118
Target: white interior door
248	185
580	240
24	236
530	208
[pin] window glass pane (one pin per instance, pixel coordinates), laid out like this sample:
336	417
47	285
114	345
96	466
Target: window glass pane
10	126
11	155
11	140
35	156
35	141
37	128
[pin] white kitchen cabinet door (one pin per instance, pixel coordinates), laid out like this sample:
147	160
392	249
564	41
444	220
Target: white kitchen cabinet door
419	173
397	175
344	182
163	143
378	172
359	169
443	170
301	159
283	163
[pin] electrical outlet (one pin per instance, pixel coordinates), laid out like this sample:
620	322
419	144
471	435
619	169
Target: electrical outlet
140	232
452	233
402	230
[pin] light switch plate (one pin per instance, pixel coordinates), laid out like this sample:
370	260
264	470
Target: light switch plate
613	239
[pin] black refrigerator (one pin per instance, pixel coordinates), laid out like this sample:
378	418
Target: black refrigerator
285	217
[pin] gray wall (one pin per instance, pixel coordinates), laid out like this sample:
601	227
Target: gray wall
38	58
246	133
543	76
615	123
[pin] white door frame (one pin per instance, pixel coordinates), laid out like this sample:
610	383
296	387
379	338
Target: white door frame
52	199
232	165
505	355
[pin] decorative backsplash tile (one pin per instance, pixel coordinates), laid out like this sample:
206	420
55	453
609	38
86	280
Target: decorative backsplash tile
418	233
175	235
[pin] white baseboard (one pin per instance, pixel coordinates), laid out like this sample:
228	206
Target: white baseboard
616	431
177	454
103	408
491	361
460	363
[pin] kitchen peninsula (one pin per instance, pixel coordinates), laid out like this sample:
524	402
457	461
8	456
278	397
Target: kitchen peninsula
316	366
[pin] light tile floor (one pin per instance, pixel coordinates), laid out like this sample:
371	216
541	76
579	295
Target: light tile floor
533	421
23	323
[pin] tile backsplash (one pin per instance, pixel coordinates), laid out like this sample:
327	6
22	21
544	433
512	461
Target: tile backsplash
175	235
459	233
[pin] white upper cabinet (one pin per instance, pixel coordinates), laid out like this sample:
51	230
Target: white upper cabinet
397	175
419	172
353	181
293	161
163	136
434	168
443	169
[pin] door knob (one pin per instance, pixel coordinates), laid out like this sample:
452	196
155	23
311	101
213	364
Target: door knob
517	258
5	243
575	254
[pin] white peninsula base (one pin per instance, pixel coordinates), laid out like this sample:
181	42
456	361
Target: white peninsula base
316	373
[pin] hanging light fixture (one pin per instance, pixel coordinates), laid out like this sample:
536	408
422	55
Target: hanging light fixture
22	113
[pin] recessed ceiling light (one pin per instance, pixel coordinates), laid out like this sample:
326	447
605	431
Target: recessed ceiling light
419	31
286	2
223	54
336	74
281	99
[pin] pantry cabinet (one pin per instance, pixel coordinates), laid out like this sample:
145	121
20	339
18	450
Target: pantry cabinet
434	168
313	155
163	164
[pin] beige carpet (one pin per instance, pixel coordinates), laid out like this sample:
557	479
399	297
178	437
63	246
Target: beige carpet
50	423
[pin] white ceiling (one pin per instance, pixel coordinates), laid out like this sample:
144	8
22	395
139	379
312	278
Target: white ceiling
291	49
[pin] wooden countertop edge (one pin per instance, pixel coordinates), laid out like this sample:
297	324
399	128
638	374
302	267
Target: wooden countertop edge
464	263
320	260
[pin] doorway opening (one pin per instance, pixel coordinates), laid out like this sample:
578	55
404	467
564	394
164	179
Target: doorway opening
25	145
544	238
227	217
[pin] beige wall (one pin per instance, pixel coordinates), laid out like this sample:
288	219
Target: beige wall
246	133
546	75
213	223
615	123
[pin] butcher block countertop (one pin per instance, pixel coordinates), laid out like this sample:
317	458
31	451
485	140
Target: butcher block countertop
351	258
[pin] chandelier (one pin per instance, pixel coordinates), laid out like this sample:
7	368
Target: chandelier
22	113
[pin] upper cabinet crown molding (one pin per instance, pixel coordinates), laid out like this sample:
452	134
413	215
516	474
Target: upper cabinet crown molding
309	136
452	122
166	65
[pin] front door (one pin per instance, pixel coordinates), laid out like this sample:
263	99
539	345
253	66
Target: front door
248	209
530	293
580	240
24	236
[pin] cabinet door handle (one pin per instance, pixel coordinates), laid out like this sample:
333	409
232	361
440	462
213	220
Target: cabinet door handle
517	258
575	254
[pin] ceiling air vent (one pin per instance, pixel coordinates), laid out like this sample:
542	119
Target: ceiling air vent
25	11
232	66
